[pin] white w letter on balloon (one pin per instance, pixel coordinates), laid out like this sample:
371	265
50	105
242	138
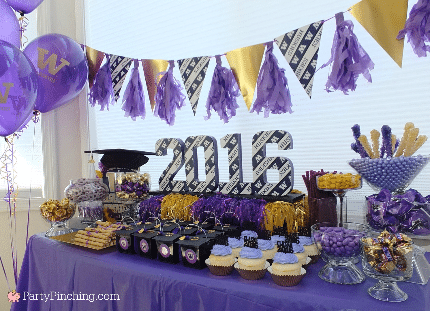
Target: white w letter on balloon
3	98
51	62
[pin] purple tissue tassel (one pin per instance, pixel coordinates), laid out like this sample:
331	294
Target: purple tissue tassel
169	96
133	102
273	93
102	92
223	93
417	28
348	59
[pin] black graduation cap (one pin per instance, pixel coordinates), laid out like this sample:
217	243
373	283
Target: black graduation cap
122	158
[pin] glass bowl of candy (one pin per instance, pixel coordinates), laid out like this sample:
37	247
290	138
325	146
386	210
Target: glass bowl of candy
132	186
389	259
392	173
340	249
57	213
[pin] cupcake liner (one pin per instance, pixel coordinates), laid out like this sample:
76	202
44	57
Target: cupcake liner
308	262
219	270
251	274
314	259
287	280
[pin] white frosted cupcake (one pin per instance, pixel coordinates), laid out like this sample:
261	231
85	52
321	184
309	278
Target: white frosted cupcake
267	247
236	246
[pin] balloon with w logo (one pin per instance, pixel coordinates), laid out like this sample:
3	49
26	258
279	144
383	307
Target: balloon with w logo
18	88
62	69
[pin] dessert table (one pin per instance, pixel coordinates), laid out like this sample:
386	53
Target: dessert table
58	276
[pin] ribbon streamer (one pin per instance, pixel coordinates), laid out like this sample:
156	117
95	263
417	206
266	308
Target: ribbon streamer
417	28
133	102
169	96
23	23
273	93
102	91
223	93
348	59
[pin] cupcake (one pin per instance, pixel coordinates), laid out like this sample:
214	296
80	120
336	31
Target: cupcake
268	248
236	246
221	255
286	269
309	246
299	251
251	264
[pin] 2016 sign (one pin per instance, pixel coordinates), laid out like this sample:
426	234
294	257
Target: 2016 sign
187	154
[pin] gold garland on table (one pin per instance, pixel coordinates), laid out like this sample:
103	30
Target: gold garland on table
294	215
177	206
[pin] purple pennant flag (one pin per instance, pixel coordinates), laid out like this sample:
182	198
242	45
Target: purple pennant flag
102	92
417	28
223	93
300	48
348	59
273	93
193	72
169	96
133	100
119	66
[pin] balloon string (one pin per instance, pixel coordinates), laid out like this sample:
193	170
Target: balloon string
5	274
23	23
31	175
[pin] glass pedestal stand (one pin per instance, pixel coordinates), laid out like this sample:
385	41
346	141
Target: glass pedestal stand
58	228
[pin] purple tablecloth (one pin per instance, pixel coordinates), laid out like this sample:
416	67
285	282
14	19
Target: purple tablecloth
57	270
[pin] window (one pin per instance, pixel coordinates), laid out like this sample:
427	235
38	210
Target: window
320	127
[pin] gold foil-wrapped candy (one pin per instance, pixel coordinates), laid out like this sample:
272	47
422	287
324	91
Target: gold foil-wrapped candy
56	211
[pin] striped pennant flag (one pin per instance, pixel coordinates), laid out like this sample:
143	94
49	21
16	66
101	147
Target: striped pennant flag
300	49
193	72
119	66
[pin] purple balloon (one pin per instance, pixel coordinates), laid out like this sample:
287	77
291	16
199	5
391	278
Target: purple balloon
18	88
24	6
9	30
62	68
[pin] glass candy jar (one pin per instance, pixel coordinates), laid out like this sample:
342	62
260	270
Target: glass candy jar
57	213
88	194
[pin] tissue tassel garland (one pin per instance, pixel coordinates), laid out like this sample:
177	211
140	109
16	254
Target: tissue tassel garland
133	100
169	96
223	93
273	93
102	92
348	59
417	28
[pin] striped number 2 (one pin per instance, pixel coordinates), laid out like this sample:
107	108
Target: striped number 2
166	182
261	163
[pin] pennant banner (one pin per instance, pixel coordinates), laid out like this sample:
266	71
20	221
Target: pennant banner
193	72
151	69
300	48
119	66
245	64
95	60
383	19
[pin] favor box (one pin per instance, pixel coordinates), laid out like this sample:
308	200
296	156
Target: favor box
124	241
167	249
144	243
194	251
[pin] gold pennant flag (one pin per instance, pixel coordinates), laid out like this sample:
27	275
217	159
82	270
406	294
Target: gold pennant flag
95	59
383	19
245	64
151	68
